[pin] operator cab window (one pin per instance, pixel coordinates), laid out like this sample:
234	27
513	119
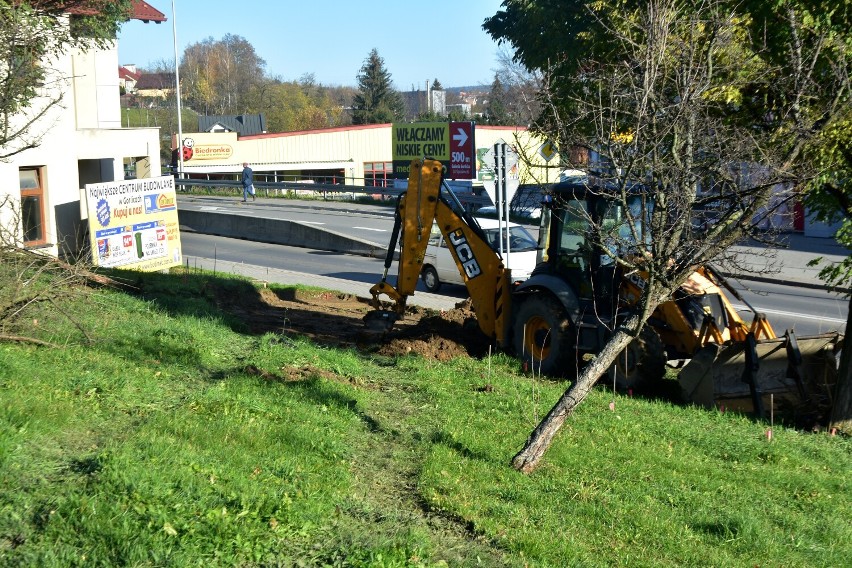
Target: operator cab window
575	226
435	237
519	239
622	228
571	247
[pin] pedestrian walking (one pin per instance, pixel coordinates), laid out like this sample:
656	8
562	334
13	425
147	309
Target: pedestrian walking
248	182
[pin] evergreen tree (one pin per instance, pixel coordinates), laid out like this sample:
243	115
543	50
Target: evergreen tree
495	111
458	115
436	85
376	102
430	116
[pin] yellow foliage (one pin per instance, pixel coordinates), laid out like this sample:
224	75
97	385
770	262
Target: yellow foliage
726	94
622	137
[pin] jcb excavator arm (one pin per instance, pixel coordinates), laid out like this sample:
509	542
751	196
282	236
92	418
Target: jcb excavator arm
485	276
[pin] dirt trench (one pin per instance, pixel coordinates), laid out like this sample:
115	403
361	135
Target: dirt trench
336	319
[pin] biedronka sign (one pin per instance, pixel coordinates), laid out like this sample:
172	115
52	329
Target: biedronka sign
134	223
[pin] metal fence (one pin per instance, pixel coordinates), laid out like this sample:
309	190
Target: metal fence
325	191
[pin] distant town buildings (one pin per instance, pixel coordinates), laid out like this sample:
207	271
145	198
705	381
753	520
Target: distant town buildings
442	102
431	101
128	76
242	124
155	85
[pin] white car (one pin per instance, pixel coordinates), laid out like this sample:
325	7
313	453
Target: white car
439	266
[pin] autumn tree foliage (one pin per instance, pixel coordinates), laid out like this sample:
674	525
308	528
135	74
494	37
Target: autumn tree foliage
220	74
298	105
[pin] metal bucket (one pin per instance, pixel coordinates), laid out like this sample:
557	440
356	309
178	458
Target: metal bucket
746	375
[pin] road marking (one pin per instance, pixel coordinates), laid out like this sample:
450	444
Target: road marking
369	229
312	222
740	308
202	208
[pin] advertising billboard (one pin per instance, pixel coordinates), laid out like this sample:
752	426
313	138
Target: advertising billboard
134	223
451	143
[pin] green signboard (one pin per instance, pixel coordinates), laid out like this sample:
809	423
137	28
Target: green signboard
451	143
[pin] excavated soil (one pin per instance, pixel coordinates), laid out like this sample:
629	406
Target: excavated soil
336	319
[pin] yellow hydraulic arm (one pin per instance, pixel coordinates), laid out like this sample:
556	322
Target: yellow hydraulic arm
483	271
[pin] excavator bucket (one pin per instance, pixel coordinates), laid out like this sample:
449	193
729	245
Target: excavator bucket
380	321
745	375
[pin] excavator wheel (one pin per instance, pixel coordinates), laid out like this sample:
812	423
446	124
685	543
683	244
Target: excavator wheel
543	336
643	362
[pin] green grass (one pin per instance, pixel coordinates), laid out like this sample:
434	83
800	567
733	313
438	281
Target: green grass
174	438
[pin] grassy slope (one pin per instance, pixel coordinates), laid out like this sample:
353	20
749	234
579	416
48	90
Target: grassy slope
176	439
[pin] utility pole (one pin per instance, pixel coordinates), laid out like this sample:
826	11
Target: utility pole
177	93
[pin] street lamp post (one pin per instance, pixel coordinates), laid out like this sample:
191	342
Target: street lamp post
177	92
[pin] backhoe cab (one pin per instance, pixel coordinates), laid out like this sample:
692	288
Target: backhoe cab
565	311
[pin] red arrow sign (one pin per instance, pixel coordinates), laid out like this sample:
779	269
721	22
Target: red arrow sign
462	164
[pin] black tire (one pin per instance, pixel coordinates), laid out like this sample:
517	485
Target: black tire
642	363
543	336
430	279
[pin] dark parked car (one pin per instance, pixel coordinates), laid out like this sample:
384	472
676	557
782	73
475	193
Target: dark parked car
524	206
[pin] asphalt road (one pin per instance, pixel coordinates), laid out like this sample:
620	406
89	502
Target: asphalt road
360	220
368	222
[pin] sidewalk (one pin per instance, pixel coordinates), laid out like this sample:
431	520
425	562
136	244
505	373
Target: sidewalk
783	266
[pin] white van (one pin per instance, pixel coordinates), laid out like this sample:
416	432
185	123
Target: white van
439	266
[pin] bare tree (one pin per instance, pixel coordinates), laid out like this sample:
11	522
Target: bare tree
522	86
673	113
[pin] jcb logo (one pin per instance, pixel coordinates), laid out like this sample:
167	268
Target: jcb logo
636	280
465	254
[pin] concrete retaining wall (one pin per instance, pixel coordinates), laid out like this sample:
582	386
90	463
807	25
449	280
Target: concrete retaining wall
275	231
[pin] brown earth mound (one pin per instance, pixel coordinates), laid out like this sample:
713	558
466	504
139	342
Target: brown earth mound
336	319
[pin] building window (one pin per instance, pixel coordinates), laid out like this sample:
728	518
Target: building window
378	174
32	207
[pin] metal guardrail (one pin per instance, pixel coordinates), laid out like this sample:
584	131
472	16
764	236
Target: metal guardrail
328	191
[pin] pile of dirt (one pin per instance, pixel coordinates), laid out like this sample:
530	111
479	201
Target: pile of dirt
336	319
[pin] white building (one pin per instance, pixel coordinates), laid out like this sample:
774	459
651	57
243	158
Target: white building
81	142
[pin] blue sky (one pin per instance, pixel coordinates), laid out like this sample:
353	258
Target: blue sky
419	41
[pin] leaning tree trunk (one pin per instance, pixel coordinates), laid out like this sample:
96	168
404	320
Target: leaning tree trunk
841	410
540	439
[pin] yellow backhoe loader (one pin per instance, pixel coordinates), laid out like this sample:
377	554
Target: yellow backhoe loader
564	312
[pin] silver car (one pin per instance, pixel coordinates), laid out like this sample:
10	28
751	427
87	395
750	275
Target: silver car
439	266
